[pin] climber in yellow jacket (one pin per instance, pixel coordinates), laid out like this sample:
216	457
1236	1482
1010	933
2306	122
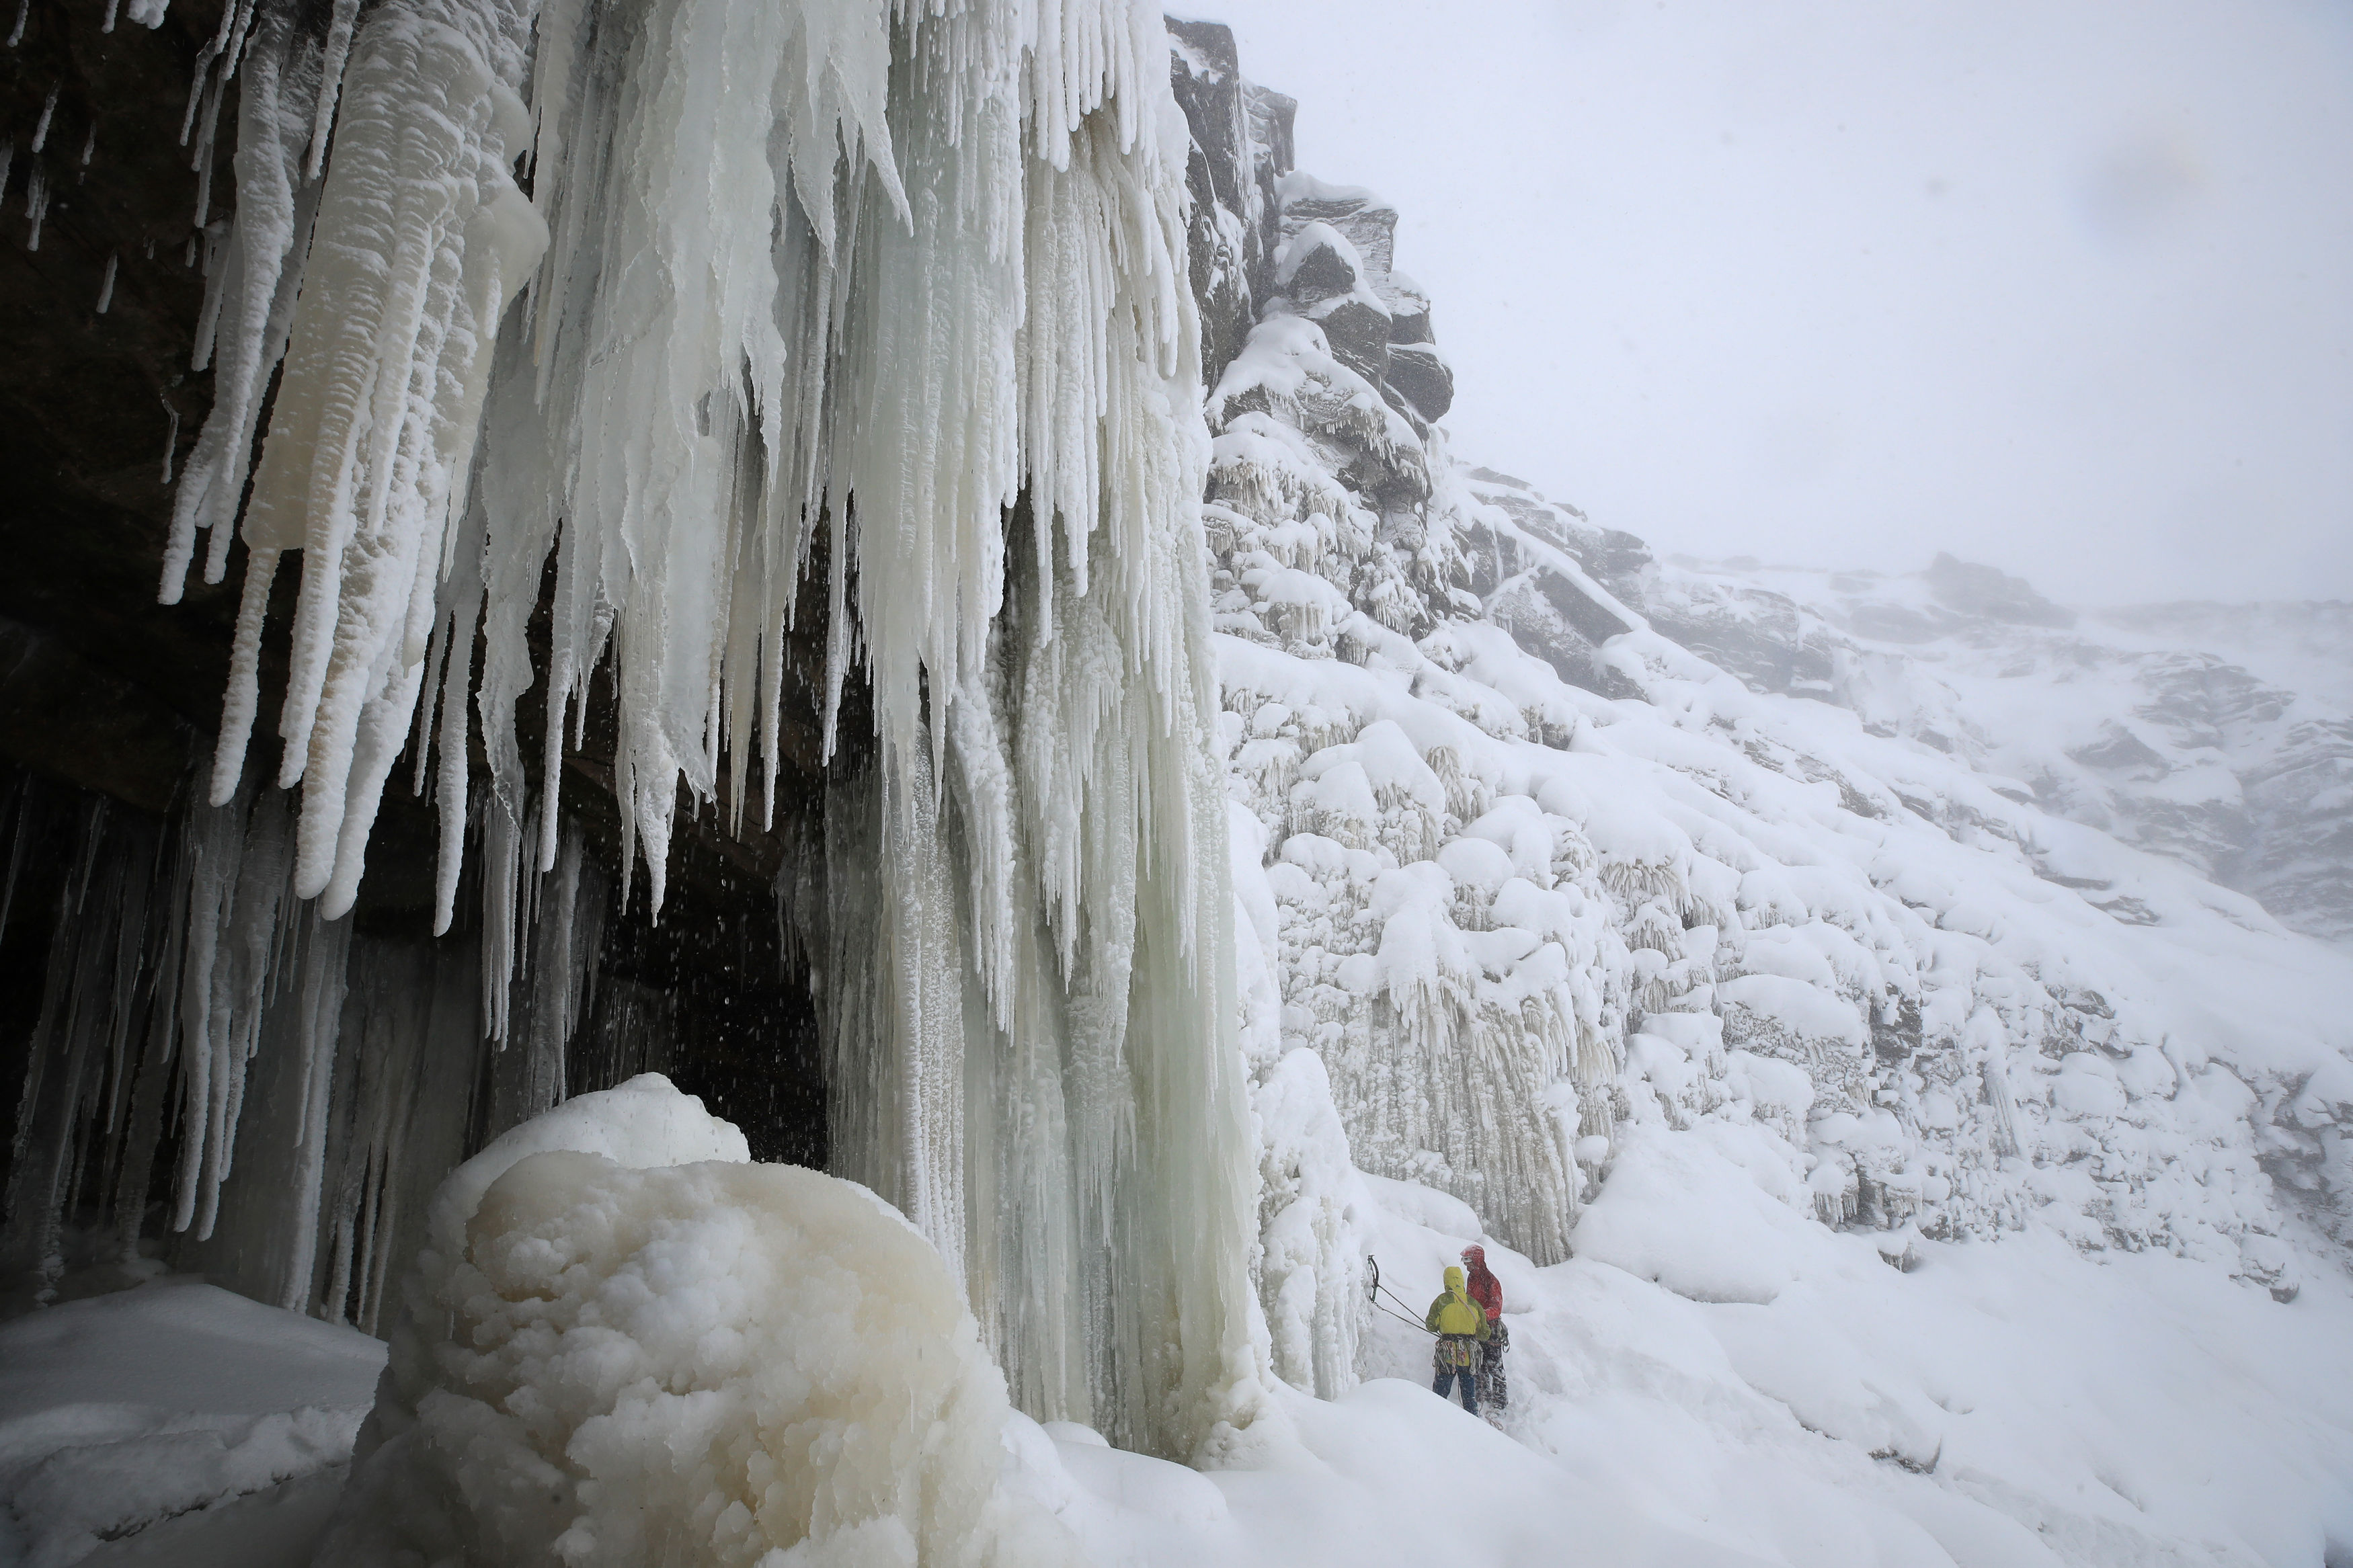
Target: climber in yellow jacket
1461	1325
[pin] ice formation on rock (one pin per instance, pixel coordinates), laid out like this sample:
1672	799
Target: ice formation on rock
1445	951
316	1083
628	1344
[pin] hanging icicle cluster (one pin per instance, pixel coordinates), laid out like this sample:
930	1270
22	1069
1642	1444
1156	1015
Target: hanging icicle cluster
896	287
224	1078
916	259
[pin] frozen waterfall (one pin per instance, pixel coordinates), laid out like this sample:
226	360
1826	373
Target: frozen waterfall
827	373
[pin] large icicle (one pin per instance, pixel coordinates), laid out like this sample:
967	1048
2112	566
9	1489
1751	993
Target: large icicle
420	238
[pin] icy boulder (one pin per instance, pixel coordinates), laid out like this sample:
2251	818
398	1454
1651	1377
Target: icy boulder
634	1361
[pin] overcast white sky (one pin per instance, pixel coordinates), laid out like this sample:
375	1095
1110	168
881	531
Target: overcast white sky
2062	285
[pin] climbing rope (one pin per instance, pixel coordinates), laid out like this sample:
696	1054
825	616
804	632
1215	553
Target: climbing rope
1377	1290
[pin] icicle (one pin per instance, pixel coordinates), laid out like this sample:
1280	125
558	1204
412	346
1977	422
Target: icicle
17	844
249	300
238	920
244	694
37	206
502	918
335	55
378	406
144	1130
43	1151
326	946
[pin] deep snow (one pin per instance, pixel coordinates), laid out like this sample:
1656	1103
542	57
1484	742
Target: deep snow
122	1410
1716	1379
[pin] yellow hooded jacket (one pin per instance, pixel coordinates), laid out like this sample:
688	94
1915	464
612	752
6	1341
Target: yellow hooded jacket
1454	1312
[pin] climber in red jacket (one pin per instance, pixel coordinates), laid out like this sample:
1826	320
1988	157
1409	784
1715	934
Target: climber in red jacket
1488	1291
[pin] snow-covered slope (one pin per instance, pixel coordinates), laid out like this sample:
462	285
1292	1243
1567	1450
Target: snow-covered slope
2222	736
1557	848
135	1412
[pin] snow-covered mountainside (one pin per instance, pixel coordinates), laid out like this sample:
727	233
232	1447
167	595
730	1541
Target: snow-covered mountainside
2222	736
1543	842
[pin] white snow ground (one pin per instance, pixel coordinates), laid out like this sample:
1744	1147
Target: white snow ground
1716	1379
131	1422
1997	1406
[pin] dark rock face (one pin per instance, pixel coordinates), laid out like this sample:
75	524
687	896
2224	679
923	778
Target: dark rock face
1409	322
1419	373
1222	257
98	407
1271	116
1533	573
1287	245
1358	331
1550	617
1369	222
1615	559
75	721
2300	862
1315	266
2118	749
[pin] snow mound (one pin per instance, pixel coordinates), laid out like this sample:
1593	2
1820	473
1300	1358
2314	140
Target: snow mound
643	1124
716	1362
124	1410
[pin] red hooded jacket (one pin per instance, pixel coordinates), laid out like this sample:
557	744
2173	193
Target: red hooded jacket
1485	1288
